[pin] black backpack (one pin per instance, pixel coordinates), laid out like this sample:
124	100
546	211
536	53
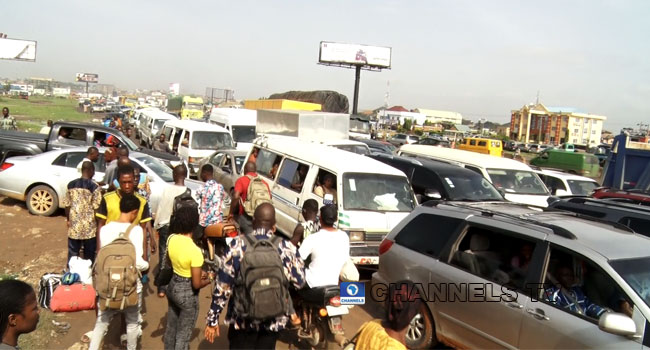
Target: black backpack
184	199
46	286
261	289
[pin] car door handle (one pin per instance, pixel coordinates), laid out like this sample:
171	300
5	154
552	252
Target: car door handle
515	305
538	314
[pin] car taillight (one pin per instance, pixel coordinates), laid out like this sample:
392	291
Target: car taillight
335	301
5	166
385	246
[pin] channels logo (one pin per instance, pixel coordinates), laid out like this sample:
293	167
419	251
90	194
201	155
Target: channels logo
353	293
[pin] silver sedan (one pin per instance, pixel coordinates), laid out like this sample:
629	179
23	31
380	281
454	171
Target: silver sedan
41	180
228	166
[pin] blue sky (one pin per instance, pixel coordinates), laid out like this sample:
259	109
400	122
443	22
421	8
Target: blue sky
480	58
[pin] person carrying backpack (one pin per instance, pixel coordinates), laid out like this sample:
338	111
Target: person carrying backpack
166	209
268	264
250	191
116	273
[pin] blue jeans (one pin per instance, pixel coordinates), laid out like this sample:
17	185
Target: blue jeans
89	245
183	311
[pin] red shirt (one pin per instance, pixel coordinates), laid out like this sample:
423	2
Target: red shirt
241	186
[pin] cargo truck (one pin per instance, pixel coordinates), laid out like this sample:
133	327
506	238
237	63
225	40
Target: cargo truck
186	107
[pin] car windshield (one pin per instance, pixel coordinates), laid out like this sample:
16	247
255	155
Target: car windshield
377	192
211	140
637	275
358	149
583	188
194	106
469	187
239	161
359	126
163	171
243	133
517	181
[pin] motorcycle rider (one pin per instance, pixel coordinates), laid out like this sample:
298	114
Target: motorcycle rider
329	249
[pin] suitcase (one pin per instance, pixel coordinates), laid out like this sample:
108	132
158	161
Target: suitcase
75	297
221	230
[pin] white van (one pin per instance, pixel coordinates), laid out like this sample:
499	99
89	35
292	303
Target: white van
517	180
371	196
239	122
151	122
193	140
349	145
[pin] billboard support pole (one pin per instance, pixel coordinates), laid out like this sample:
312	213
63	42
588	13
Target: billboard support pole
357	77
86	89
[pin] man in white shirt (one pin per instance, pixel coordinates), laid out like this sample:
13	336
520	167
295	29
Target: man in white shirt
165	210
129	207
92	155
329	249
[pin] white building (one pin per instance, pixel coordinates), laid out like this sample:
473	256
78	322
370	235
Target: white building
435	116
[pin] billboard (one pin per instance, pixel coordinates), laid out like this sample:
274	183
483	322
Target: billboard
16	49
87	78
354	54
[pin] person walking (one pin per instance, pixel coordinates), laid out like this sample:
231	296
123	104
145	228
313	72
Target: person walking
164	212
210	198
240	198
19	312
46	129
129	206
310	225
188	278
244	332
402	304
8	122
110	158
81	199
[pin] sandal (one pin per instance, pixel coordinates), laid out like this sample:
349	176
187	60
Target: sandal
86	337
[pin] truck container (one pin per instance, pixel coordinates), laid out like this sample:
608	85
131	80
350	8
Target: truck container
306	125
186	107
628	165
282	104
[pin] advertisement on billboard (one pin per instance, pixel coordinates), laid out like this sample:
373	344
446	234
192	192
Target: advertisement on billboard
87	78
175	88
16	49
354	54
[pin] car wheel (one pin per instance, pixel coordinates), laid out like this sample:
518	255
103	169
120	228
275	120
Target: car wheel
421	330
42	200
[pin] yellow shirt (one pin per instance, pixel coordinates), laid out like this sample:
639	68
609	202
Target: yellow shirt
374	337
184	255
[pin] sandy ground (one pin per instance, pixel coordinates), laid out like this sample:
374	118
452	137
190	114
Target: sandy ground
31	246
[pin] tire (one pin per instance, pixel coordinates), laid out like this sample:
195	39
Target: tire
421	333
42	200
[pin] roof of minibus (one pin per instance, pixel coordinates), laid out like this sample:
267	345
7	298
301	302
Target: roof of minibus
193	125
465	157
327	157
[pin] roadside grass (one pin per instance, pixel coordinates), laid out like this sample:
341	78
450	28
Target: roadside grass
34	113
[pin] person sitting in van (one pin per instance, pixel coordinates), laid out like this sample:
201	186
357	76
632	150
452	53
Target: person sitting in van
161	145
186	140
253	156
327	187
299	177
274	169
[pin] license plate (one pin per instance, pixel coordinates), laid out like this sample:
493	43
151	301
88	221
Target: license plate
365	260
337	310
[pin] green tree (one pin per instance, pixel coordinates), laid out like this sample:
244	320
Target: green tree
408	123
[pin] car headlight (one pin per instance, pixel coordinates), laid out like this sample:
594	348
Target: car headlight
357	236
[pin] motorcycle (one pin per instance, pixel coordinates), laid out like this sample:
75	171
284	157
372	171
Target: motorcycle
321	317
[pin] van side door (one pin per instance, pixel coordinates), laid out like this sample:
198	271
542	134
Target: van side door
292	181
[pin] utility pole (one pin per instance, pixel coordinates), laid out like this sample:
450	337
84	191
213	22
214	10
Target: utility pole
357	78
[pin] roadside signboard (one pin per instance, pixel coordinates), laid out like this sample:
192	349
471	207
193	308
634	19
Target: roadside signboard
87	78
354	54
18	50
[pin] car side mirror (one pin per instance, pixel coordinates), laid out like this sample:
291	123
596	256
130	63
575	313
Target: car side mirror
419	198
432	193
616	323
553	190
502	192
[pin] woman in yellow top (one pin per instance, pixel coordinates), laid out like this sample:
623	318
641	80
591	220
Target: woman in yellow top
402	305
183	289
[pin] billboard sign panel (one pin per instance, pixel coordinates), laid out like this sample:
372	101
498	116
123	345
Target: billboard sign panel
174	89
87	78
354	54
19	50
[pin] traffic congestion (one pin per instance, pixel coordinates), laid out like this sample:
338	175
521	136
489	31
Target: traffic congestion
361	175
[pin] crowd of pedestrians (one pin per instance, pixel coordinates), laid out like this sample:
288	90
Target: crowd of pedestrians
243	280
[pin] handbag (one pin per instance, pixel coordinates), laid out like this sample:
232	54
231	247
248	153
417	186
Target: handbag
75	297
221	230
166	271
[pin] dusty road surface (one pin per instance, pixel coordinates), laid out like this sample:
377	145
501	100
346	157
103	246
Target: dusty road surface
31	246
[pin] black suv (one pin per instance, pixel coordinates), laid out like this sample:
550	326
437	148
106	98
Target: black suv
634	216
435	180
